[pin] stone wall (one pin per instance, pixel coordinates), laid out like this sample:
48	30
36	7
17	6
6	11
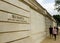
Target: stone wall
37	26
48	23
19	23
14	22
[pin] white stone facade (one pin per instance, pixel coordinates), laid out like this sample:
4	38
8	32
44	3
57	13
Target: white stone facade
21	23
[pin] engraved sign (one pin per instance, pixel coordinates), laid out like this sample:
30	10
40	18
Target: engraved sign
14	18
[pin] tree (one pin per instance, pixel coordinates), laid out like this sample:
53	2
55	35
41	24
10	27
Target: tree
57	18
57	4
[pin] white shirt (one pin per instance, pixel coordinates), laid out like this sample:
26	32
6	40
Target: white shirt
54	31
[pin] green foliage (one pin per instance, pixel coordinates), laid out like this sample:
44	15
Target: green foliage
57	3
57	18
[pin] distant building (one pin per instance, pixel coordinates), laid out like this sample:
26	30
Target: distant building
23	21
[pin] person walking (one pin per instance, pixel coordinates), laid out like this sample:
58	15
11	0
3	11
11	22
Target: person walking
54	32
50	31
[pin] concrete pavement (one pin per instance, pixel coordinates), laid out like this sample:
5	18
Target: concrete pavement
51	40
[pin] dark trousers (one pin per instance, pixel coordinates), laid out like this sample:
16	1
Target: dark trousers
55	36
51	34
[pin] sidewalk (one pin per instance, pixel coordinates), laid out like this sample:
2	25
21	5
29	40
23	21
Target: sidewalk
51	40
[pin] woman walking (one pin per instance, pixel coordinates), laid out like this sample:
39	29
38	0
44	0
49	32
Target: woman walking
54	32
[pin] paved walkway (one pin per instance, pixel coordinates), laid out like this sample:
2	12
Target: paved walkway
51	40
